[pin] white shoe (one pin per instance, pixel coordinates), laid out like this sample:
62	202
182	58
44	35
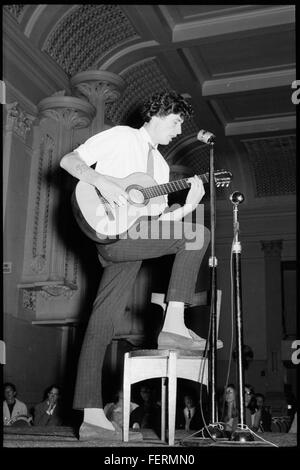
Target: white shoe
202	341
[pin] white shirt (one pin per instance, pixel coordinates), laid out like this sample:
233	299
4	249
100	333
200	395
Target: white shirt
186	412
123	150
20	409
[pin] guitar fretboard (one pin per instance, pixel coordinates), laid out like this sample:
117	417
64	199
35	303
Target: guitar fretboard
171	187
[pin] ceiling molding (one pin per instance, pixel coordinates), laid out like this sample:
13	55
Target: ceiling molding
33	19
228	24
19	54
260	125
133	48
249	82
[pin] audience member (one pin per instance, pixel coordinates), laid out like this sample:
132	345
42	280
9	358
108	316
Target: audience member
14	411
229	409
253	414
49	412
265	415
148	413
189	418
114	410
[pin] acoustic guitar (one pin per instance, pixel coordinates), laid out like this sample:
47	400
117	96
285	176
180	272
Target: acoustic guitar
105	224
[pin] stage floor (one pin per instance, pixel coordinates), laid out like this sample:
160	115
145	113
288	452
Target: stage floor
67	437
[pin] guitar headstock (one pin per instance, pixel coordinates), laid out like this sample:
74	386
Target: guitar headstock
223	178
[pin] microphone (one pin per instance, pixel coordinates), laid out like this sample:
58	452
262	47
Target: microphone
237	197
206	136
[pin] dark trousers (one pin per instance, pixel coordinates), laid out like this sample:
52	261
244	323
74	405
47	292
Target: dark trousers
122	261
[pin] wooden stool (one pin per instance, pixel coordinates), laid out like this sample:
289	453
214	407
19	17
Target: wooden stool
169	365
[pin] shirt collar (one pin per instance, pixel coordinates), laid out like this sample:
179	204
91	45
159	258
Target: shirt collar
147	137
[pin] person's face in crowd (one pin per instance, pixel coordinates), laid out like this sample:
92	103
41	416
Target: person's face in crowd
188	401
9	394
230	394
167	127
259	402
145	394
248	396
53	396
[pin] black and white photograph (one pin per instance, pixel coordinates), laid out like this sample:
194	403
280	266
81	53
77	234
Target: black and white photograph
149	229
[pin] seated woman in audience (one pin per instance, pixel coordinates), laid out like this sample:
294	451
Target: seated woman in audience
253	414
265	415
49	412
147	414
114	410
229	410
15	412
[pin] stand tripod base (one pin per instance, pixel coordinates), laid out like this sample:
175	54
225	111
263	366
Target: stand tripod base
212	431
241	435
215	432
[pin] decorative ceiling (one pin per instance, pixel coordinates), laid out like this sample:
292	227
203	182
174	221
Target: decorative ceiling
236	64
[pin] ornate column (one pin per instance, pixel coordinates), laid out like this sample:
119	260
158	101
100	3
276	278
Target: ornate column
99	87
50	270
69	113
274	335
18	122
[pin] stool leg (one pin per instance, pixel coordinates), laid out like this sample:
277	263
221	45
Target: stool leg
126	397
163	408
172	375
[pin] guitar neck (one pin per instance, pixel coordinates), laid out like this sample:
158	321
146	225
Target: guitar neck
172	186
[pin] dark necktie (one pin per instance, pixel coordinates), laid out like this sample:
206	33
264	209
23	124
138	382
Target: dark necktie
189	414
150	162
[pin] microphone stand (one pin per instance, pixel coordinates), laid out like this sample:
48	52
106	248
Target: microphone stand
240	434
213	288
214	430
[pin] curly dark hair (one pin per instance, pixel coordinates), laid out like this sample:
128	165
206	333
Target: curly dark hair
165	103
48	390
11	385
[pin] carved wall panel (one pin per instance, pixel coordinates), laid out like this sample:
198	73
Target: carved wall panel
17	122
50	269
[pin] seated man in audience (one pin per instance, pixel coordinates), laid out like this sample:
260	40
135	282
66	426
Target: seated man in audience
48	412
14	411
189	417
265	415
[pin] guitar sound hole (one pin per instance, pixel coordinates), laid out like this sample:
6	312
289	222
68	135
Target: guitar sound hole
136	196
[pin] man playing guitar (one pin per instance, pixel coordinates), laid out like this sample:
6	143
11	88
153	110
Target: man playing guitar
119	152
